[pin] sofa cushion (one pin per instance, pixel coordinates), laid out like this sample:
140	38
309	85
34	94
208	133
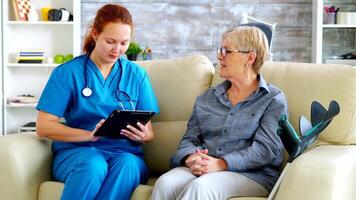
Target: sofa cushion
50	190
326	172
145	192
25	162
157	153
304	82
321	83
177	82
142	192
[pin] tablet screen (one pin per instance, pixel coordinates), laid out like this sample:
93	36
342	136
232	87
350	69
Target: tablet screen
119	119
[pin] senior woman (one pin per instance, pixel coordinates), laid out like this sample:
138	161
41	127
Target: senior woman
231	147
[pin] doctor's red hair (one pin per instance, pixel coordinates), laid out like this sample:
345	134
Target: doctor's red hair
110	13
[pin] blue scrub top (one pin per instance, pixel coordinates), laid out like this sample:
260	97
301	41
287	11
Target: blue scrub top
63	97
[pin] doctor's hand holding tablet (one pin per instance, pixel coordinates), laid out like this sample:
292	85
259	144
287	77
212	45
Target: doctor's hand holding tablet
122	123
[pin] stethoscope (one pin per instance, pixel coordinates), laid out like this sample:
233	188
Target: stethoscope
87	91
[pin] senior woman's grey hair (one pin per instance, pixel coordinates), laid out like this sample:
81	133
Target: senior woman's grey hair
251	39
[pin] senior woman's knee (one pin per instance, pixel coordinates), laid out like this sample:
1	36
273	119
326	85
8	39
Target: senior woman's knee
201	183
199	188
166	182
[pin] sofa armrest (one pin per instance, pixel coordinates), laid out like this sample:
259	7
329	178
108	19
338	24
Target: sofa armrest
25	162
326	172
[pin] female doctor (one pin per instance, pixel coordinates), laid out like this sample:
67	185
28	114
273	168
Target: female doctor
86	90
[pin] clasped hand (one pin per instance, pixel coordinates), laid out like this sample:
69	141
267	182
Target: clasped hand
201	163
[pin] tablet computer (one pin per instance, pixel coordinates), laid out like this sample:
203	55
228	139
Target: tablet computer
119	119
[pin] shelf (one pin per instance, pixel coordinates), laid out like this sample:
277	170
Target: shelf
21	105
341	61
339	25
39	23
39	65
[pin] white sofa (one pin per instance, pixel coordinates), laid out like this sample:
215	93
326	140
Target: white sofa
327	171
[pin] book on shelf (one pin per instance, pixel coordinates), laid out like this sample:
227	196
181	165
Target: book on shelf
29	61
11	104
30	126
34	56
22	100
31	53
351	62
21	8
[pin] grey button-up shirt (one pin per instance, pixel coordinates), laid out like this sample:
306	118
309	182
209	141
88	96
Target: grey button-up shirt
244	135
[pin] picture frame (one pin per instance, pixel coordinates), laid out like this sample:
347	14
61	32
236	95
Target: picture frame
21	8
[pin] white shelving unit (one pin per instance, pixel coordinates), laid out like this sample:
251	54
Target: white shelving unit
318	31
40	22
51	37
45	65
1	64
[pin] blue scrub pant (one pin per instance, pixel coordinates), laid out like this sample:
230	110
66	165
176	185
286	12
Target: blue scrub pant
91	173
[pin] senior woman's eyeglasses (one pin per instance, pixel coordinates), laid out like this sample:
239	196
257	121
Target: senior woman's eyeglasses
223	51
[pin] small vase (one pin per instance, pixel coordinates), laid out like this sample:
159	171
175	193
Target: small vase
146	56
132	57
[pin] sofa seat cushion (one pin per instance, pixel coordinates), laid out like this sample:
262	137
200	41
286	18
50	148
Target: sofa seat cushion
248	198
50	190
145	192
142	192
329	171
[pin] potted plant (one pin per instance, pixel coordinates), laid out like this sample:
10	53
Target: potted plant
133	50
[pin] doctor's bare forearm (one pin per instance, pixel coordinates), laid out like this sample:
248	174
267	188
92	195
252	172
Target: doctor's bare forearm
48	126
